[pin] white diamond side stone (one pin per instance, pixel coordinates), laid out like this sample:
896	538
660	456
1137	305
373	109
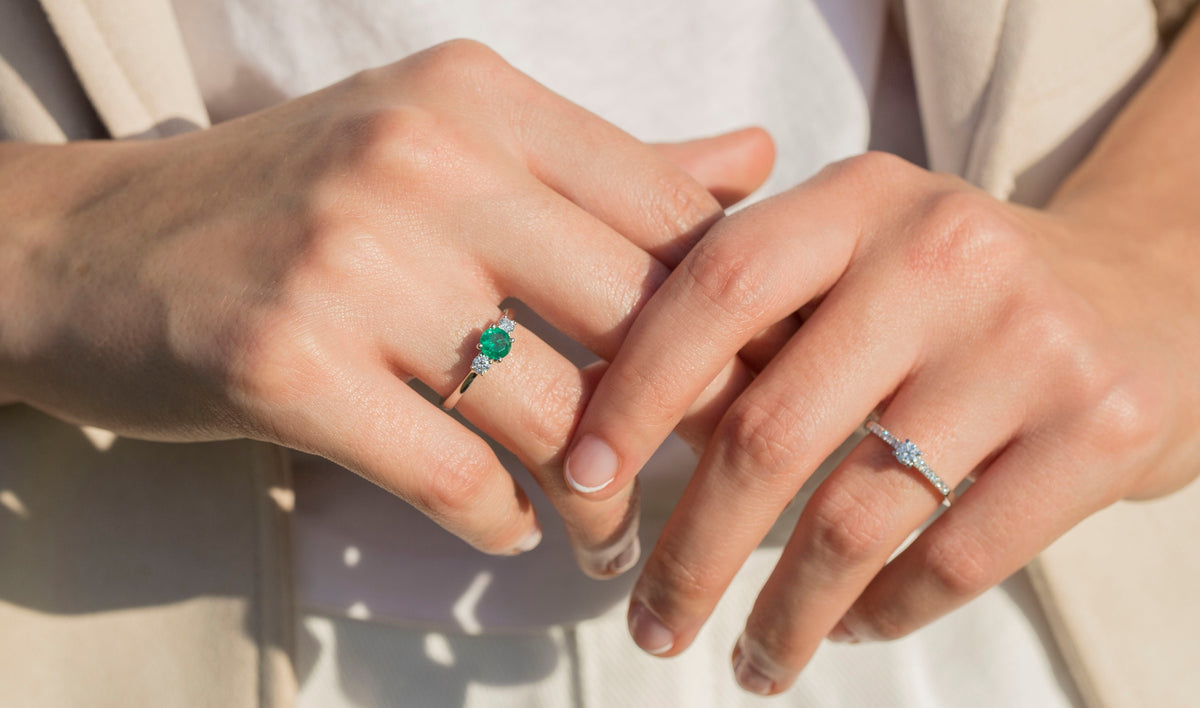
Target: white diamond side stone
507	325
481	364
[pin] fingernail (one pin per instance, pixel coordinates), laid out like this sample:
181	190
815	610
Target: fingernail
753	668
648	631
842	634
626	559
530	542
849	630
592	465
750	678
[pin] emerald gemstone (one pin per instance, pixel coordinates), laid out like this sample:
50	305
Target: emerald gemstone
494	343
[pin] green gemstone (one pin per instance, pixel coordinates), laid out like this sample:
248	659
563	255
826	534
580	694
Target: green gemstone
494	343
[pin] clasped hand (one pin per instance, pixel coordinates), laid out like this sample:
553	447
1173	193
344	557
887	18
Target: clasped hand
1040	352
283	275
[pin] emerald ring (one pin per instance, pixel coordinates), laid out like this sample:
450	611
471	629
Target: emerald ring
494	344
908	454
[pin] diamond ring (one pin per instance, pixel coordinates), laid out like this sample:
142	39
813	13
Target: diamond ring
908	454
494	344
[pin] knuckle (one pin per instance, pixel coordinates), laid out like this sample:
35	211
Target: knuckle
965	238
848	528
276	366
959	567
462	63
669	580
338	261
682	206
1054	336
458	484
730	279
382	141
1130	413
764	438
459	52
872	167
554	409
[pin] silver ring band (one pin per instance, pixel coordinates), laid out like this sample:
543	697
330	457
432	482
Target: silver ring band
494	344
908	454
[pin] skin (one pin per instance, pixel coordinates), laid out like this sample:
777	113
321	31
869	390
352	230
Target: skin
283	276
1048	352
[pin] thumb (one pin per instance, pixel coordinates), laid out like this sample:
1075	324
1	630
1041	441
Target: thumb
730	165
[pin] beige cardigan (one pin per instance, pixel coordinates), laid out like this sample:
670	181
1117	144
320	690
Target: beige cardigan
135	573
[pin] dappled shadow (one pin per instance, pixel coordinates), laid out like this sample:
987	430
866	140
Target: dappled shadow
133	525
31	50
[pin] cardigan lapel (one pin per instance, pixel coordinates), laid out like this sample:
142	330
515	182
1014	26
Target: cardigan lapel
131	61
1013	93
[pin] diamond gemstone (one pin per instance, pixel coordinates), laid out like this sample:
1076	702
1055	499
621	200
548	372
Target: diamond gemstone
507	325
481	364
908	453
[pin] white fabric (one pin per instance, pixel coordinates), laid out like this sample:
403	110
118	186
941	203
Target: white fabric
973	659
666	70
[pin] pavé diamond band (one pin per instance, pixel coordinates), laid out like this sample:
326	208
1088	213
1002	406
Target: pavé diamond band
909	455
494	344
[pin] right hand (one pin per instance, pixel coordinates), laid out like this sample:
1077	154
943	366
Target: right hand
281	276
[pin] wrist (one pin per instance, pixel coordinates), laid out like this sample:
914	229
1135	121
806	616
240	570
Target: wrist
44	194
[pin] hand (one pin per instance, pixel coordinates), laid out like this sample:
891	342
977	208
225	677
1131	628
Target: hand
1051	353
282	276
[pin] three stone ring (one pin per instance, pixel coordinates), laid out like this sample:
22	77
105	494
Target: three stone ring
494	344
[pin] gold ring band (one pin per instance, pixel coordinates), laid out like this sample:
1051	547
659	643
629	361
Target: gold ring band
494	344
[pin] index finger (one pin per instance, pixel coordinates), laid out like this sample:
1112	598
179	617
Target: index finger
750	271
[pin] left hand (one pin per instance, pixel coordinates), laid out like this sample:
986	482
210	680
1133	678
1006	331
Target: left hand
1048	353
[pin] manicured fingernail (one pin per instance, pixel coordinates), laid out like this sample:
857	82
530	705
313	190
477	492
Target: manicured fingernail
648	631
592	465
530	542
755	670
841	634
849	630
626	559
750	678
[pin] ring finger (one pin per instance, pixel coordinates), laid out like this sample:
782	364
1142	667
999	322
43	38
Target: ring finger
864	511
527	402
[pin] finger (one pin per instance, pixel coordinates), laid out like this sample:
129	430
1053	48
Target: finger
374	424
573	269
528	402
1032	494
586	279
727	290
865	510
620	180
762	347
730	166
590	283
795	414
